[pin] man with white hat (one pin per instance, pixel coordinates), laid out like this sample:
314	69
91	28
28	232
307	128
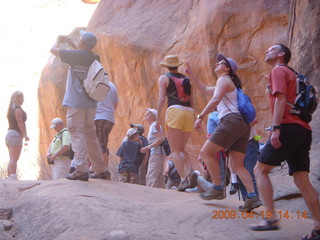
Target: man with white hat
155	177
59	150
81	109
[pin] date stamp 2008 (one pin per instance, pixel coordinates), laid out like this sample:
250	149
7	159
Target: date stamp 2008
232	214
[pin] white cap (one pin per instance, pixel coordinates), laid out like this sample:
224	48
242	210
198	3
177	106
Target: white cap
153	111
55	121
131	132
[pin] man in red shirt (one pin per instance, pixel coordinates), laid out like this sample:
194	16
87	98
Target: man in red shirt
290	139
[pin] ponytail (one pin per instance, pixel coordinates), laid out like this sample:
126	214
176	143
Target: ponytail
236	80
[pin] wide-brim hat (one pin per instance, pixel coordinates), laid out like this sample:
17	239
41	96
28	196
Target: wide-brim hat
171	61
232	63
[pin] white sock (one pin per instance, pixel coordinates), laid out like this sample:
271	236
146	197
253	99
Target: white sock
234	178
13	177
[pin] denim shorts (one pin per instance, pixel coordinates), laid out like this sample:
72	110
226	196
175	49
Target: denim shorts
13	138
295	146
232	133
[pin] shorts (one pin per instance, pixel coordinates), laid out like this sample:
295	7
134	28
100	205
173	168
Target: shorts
295	146
103	129
180	119
128	177
13	138
232	133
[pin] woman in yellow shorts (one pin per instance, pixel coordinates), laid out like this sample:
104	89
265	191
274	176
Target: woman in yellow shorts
179	118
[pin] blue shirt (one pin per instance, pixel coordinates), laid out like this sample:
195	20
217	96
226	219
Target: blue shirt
79	61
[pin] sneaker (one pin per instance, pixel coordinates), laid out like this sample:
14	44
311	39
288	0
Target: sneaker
104	175
213	194
183	185
193	179
234	188
250	204
82	176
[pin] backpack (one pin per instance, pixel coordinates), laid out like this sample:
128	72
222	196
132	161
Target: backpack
182	87
165	145
70	152
306	100
245	106
96	83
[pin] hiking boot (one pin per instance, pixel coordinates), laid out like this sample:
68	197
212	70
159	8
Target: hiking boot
213	194
104	175
234	188
183	185
250	204
193	179
82	176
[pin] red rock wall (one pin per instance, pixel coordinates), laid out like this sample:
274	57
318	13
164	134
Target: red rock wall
134	36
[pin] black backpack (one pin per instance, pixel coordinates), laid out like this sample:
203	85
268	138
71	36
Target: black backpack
165	145
306	98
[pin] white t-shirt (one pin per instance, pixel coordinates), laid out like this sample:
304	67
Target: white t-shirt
152	138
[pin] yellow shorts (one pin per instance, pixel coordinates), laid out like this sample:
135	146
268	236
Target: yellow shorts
180	119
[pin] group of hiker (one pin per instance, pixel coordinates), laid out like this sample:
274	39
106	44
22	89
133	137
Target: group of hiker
289	135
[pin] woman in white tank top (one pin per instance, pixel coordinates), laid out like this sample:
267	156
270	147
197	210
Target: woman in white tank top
232	132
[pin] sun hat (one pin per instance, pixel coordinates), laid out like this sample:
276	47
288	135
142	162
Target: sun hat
232	63
89	39
139	127
153	111
55	121
171	61
131	132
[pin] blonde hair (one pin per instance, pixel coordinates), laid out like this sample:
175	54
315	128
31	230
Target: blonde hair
14	101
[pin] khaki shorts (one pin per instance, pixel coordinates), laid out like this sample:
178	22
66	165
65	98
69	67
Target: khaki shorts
232	133
180	119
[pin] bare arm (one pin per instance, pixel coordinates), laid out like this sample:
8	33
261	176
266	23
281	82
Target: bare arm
278	112
205	90
163	84
21	124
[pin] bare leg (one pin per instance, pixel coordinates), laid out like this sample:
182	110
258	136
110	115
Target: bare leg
236	161
14	152
261	172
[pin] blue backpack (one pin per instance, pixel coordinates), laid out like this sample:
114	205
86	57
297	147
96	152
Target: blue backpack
245	106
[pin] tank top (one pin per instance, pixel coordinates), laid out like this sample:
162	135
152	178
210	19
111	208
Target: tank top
173	95
228	104
13	124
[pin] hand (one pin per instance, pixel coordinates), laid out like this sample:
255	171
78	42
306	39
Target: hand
197	125
275	138
188	69
61	39
144	149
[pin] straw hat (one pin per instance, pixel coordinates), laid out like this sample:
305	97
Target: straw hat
171	61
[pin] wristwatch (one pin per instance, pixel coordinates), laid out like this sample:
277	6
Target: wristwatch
199	116
274	127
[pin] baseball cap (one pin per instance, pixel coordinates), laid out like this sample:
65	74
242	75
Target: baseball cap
89	39
55	121
140	128
233	64
153	111
131	132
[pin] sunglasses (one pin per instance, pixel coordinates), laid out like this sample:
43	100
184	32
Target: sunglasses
222	62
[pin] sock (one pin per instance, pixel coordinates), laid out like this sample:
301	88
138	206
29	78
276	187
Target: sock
218	187
13	176
251	195
234	178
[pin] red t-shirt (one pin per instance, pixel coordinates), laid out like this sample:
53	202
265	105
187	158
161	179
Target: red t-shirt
283	80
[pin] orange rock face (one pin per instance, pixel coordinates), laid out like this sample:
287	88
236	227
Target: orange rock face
134	37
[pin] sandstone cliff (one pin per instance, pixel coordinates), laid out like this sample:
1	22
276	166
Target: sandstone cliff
134	36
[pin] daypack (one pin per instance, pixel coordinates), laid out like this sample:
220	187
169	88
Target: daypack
306	100
182	87
70	152
165	145
96	83
245	106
